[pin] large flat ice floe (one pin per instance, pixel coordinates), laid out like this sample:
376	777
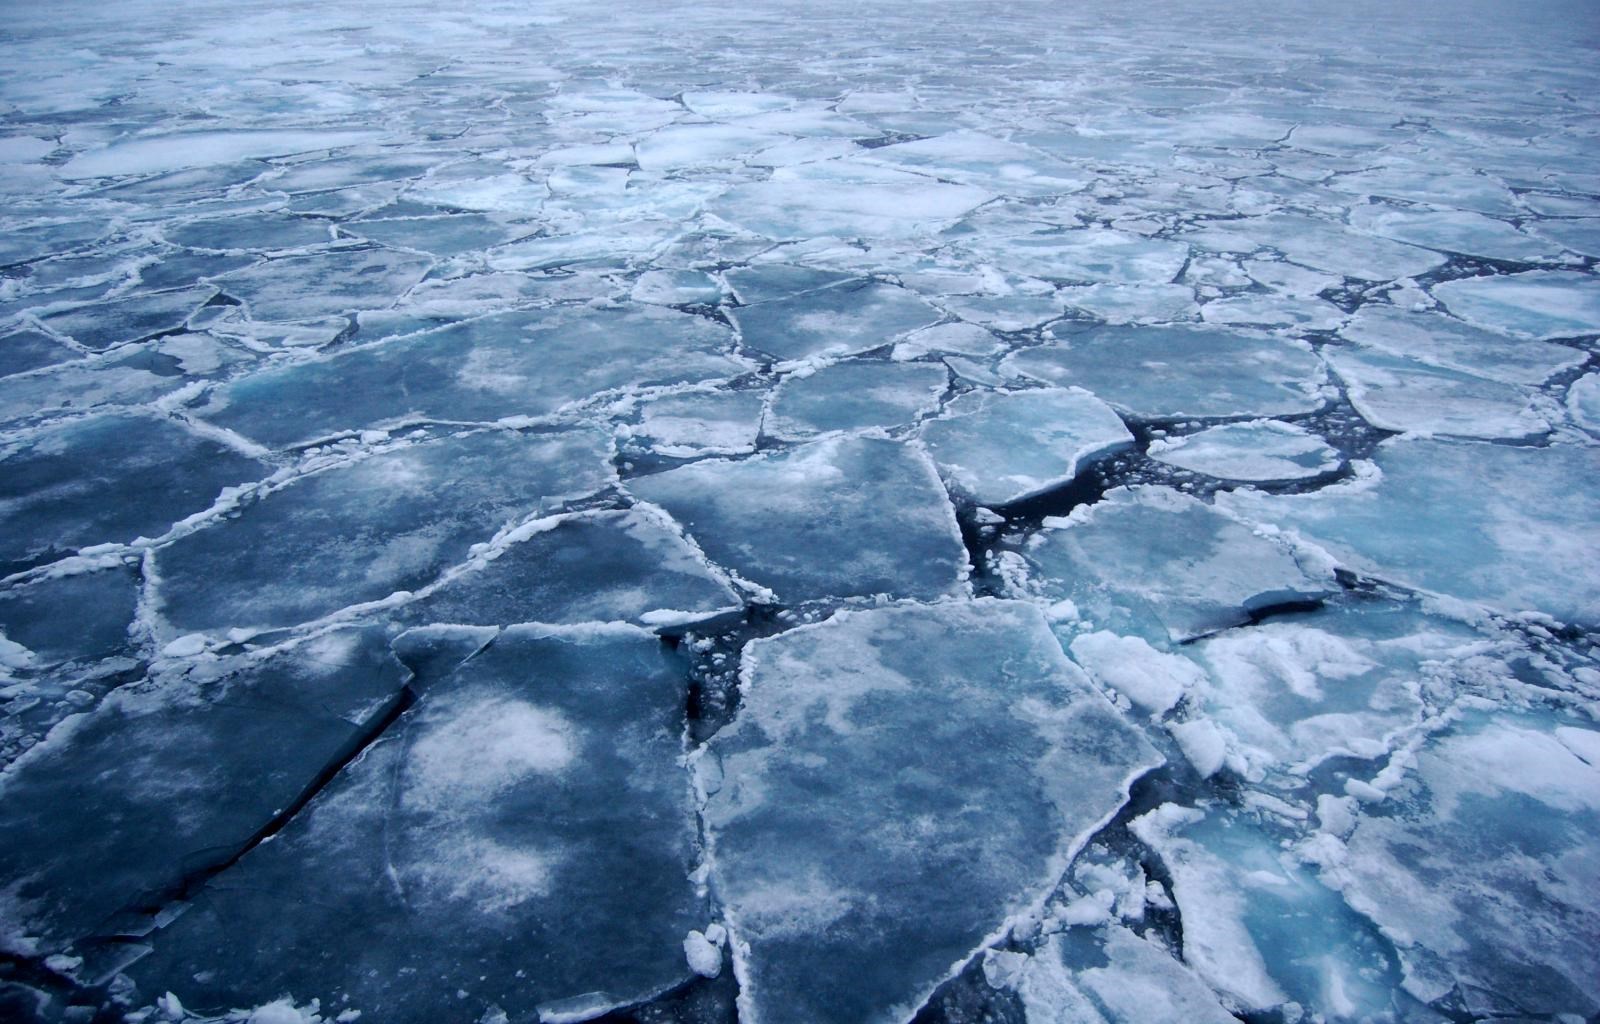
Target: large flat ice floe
983	759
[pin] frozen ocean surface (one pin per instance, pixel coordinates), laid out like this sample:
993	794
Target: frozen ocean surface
799	513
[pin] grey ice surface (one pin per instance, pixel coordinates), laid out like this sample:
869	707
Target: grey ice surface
769	511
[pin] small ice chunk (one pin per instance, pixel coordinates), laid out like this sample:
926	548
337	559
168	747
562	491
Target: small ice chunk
1583	402
1152	679
704	956
1203	745
677	288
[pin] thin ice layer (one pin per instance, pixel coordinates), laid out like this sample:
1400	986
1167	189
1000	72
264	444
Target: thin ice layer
1482	867
900	783
844	517
185	770
611	566
1155	563
534	792
1156	373
1002	447
1260	450
109	479
1508	527
362	531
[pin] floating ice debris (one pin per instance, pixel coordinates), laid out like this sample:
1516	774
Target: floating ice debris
997	448
676	288
360	532
534	791
777	520
1583	402
1155	373
1158	564
900	785
855	395
1259	927
1260	450
1508	527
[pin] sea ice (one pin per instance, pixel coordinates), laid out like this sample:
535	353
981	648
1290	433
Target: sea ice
586	567
1406	396
855	395
109	479
836	321
1509	527
900	784
843	517
1256	451
1537	304
1001	447
1481	869
363	530
1161	373
535	791
701	423
1443	341
1154	563
300	287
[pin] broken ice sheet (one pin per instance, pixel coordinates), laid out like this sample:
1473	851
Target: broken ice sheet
1157	373
105	324
854	395
609	566
1256	451
1406	396
109	479
837	321
1538	304
1259	927
899	785
1155	563
701	423
510	364
1444	341
843	517
1504	526
1001	447
302	287
187	767
536	791
364	529
1481	867
810	200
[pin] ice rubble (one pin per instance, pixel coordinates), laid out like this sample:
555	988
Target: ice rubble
531	791
998	448
984	756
